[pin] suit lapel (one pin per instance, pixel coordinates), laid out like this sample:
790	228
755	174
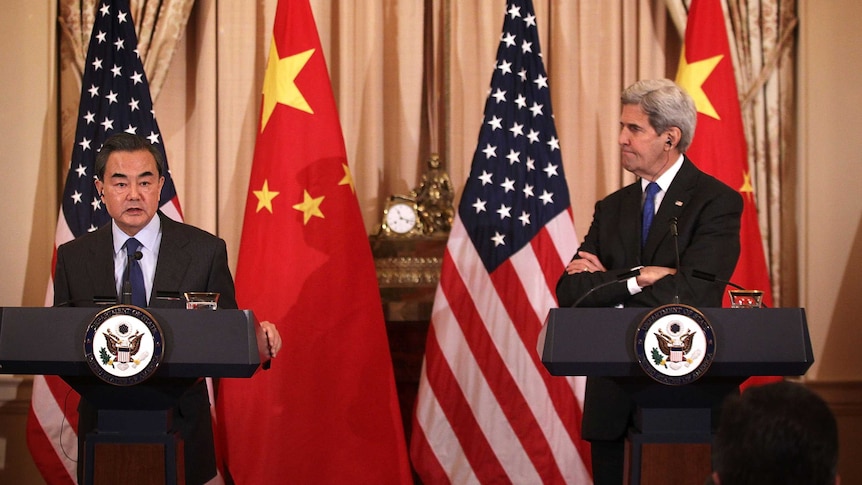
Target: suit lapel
630	219
173	258
101	269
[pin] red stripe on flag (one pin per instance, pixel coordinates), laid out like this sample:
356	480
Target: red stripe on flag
66	398
49	464
477	449
550	265
423	458
493	368
525	321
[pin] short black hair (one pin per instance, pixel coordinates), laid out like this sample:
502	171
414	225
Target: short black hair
781	433
126	142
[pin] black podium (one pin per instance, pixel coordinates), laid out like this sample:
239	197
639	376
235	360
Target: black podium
132	421
600	342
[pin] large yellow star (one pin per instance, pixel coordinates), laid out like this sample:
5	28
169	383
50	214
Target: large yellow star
264	197
692	76
348	178
310	206
279	82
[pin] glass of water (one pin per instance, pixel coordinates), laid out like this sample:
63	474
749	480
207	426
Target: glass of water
201	300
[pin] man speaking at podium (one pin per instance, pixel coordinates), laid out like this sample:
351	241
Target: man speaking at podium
173	258
629	255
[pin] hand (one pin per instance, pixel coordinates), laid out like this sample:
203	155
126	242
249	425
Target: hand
651	274
269	338
585	262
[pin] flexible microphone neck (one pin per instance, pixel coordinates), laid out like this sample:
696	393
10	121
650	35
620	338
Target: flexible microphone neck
703	275
620	278
674	231
127	281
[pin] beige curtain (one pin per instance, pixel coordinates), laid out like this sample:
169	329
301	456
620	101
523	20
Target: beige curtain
762	36
765	34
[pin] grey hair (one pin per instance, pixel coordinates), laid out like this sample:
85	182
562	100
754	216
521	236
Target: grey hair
667	105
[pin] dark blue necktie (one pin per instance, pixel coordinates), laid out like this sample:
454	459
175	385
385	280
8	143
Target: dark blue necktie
136	275
649	210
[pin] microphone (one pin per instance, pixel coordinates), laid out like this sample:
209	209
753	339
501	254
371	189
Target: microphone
703	275
88	302
127	283
674	231
619	279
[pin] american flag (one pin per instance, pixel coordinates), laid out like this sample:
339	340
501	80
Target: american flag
115	97
487	410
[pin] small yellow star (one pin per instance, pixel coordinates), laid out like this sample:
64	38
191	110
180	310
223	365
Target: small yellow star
264	197
279	83
747	188
348	178
310	206
692	76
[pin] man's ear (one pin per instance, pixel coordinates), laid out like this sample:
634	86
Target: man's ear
100	187
673	135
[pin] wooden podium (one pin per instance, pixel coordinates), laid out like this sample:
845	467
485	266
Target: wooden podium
131	438
600	342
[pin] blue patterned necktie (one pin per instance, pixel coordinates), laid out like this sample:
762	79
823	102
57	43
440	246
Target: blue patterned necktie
136	275
649	210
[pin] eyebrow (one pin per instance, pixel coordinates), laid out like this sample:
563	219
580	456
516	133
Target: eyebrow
122	175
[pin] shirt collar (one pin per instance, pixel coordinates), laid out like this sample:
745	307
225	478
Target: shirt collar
147	236
666	178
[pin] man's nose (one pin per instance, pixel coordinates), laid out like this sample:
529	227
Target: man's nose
134	191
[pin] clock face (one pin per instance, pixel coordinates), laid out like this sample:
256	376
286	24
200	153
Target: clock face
401	218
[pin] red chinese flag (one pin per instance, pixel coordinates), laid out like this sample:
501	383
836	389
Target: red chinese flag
327	410
719	147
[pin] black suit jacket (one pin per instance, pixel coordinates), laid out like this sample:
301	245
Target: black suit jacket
708	214
189	260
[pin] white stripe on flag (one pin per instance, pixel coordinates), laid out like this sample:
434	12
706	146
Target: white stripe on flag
51	418
437	430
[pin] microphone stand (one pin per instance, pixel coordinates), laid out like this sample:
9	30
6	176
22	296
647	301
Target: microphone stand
127	281
674	231
620	278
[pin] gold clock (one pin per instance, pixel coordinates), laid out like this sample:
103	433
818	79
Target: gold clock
401	218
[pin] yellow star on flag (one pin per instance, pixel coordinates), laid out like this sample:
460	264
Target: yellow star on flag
279	83
264	197
310	206
348	178
692	76
747	188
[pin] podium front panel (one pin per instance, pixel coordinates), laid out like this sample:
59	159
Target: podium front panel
599	342
198	343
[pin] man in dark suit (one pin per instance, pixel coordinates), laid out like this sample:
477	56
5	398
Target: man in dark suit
656	127
176	258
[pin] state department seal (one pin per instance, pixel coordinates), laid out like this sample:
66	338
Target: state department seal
123	345
674	344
